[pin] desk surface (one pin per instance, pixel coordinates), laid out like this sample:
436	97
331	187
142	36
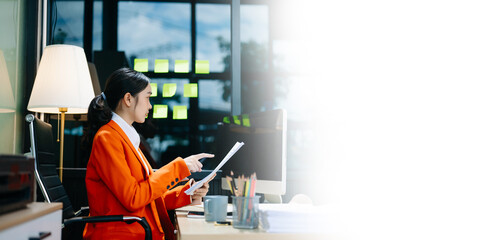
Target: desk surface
198	228
34	210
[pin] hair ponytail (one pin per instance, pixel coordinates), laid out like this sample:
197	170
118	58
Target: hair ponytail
99	113
100	110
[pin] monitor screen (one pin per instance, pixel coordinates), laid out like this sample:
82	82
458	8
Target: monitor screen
264	150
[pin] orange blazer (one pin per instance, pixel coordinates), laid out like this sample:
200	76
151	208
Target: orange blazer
118	184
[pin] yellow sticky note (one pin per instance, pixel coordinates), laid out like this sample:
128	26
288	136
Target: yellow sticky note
236	120
181	66
169	89
202	66
141	65
160	111
179	112
191	90
161	66
246	120
154	89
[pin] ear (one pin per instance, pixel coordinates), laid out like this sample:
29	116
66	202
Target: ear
127	99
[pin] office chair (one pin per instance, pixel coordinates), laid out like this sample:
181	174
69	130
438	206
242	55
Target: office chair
51	187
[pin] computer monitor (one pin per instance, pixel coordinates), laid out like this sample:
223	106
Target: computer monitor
264	150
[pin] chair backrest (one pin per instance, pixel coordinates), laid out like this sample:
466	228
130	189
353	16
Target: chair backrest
42	147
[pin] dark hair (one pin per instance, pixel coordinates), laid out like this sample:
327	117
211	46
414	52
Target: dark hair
121	81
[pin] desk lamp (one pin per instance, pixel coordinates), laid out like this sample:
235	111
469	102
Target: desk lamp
62	85
6	95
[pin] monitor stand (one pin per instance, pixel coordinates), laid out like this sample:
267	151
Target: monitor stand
272	198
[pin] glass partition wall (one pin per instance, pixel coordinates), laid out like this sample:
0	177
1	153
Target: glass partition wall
185	48
12	62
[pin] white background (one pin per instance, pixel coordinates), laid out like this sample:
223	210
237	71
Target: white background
408	120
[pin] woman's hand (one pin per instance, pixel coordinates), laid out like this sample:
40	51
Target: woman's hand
199	193
193	163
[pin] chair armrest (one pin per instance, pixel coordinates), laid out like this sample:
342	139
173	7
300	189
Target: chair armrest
83	210
112	218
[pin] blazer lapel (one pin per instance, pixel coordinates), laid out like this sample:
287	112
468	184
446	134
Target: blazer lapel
118	129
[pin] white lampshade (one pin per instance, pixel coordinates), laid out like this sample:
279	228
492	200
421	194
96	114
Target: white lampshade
62	81
6	95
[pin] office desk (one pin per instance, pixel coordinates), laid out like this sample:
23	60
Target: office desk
35	220
198	228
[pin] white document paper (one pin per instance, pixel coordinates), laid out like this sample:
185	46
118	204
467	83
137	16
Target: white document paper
197	185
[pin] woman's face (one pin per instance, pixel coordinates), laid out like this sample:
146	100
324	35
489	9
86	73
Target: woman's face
142	105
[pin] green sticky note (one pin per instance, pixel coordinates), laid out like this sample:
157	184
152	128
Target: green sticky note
154	89
246	120
191	90
236	120
202	66
179	112
141	65
160	111
181	66
161	66
226	119
169	89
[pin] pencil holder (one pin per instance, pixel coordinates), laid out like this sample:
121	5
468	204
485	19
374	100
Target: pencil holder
245	212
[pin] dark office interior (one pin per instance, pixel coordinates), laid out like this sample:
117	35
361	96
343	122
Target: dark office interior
115	33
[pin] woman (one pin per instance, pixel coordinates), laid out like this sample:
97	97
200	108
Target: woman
119	179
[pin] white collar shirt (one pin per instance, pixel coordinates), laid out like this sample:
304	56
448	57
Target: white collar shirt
132	135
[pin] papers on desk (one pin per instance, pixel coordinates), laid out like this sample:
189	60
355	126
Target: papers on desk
197	185
294	218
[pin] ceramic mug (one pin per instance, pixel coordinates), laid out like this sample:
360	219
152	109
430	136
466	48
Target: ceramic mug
215	208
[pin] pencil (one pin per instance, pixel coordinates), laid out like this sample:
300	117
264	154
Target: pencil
234	186
228	179
253	185
245	188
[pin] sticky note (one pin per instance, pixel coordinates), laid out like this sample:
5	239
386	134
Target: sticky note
179	112
169	89
226	119
160	111
141	65
161	66
236	120
191	90
154	89
202	66
246	120
181	66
